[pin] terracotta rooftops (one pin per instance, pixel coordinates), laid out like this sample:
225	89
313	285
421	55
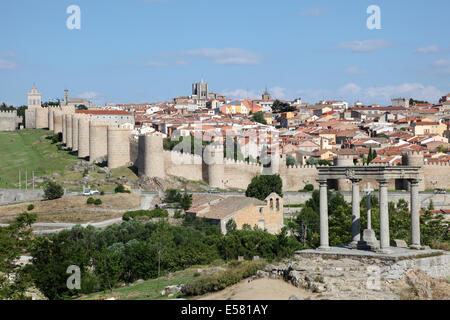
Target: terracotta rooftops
105	112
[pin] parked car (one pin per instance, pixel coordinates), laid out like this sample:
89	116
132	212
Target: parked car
213	191
440	191
91	192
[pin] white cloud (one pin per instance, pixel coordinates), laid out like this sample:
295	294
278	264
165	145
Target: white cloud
441	66
350	89
315	11
365	46
385	93
227	56
241	94
7	65
430	49
89	95
355	70
278	92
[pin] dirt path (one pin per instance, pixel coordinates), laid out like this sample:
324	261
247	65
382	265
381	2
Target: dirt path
259	289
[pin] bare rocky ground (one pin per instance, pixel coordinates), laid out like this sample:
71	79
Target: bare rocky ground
352	279
157	184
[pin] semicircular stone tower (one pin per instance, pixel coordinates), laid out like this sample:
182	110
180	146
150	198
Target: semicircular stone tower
118	147
57	120
98	141
344	161
51	113
75	119
152	156
69	131
64	128
215	166
83	137
415	159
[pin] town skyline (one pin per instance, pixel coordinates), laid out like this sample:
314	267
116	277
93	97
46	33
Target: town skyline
239	57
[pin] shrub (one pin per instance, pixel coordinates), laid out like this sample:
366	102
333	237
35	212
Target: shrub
178	214
121	189
155	213
308	188
53	191
90	200
30	207
102	193
97	202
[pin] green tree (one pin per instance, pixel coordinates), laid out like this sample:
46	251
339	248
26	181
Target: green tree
259	117
280	107
264	185
161	240
231	226
442	149
15	240
52	190
108	266
186	201
291	161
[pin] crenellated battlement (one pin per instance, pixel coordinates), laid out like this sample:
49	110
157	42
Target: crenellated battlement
437	164
242	163
414	153
301	167
182	158
8	112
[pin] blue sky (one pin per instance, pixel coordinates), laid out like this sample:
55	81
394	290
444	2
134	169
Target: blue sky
152	50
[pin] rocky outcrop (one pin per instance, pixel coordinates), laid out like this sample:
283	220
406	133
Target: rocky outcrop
356	279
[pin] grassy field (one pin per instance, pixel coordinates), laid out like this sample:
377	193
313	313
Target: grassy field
30	150
146	290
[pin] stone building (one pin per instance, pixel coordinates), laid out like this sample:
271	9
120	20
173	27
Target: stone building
200	90
266	215
75	102
114	117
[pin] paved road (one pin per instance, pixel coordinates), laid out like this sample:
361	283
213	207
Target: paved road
65	226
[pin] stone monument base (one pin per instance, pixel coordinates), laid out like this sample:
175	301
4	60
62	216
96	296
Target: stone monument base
369	241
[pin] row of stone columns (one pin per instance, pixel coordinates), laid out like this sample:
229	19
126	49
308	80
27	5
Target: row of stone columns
384	215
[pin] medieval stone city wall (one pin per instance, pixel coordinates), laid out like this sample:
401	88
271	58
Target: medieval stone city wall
102	141
83	137
239	174
41	118
437	176
69	131
8	120
183	165
296	178
30	118
98	141
118	147
75	132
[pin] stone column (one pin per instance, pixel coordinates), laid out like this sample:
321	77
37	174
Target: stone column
324	242
415	215
384	217
356	214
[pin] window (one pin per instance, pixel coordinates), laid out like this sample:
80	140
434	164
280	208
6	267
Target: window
261	210
271	203
278	204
